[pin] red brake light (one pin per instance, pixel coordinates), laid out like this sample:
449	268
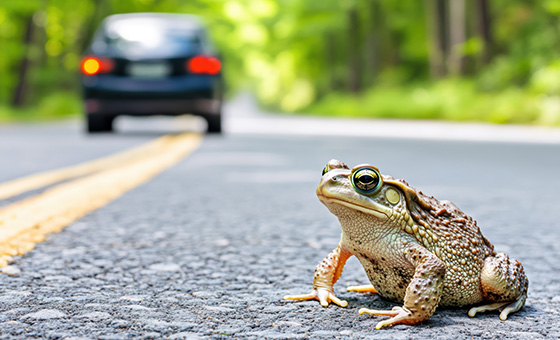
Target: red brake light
95	65
204	65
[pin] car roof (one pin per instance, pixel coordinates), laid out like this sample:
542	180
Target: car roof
142	26
184	21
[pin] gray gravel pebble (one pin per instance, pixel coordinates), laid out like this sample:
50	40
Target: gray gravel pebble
45	314
10	270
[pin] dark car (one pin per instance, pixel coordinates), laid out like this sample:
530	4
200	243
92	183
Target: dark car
151	64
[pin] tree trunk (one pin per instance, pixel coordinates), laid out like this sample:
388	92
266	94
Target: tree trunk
457	36
20	92
436	19
330	60
88	29
354	71
484	29
372	63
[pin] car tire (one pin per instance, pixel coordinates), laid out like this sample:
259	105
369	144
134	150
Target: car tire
99	123
214	123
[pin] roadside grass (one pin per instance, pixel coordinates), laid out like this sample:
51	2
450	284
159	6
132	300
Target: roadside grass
445	100
55	106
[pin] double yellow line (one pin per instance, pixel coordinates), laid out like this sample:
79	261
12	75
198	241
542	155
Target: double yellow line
94	184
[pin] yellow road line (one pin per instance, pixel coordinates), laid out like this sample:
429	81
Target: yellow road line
36	181
25	223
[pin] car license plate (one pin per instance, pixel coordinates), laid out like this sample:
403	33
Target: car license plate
149	70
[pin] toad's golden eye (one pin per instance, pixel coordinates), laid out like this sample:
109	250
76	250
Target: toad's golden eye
325	169
366	180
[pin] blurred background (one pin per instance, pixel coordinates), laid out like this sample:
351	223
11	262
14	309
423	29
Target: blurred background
482	60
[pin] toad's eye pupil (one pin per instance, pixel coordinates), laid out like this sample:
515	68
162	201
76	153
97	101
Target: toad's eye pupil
366	180
325	170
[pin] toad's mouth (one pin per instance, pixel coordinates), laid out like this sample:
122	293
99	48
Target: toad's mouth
372	209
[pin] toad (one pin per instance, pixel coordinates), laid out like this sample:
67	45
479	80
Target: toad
415	250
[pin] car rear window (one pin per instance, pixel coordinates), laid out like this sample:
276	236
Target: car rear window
152	36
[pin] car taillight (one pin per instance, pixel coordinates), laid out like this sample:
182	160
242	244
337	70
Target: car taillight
204	65
95	65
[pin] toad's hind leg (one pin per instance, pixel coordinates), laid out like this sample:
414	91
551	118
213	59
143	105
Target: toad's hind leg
503	283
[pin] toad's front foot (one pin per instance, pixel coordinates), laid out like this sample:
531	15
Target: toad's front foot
398	315
323	295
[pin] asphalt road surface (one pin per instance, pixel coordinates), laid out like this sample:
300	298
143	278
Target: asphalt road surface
208	248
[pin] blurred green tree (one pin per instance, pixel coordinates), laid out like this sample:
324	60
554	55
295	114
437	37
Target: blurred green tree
294	53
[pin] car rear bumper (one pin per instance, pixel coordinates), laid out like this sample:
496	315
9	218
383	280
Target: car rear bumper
109	86
150	107
117	95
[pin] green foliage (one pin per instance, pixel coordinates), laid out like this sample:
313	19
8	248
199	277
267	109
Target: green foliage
368	58
452	99
55	105
59	104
